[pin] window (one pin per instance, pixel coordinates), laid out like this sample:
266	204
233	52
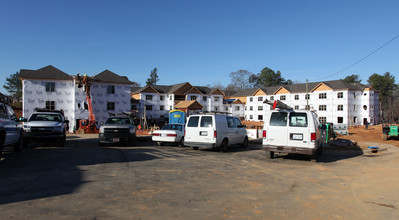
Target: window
251	117
307	96
322	95
365	107
260	117
322	108
340	95
193	122
216	99
206	121
307	107
204	98
162	107
50	86
148	107
170	97
278	119
365	94
170	107
148	97
238	122
296	97
271	98
193	98
226	109
372	107
110	89
237	108
110	105
260	108
231	122
50	105
216	108
354	107
282	97
322	119
251	99
161	97
340	107
298	120
251	108
260	98
340	120
296	107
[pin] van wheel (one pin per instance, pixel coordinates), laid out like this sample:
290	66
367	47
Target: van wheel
181	143
160	143
245	143
224	145
315	157
269	154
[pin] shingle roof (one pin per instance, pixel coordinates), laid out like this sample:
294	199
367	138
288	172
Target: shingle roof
244	93
48	72
110	77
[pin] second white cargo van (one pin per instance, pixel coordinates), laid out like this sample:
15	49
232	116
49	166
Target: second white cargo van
292	131
213	130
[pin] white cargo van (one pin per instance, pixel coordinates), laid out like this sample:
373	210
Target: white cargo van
214	130
292	131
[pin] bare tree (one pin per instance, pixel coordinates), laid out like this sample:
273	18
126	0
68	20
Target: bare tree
240	79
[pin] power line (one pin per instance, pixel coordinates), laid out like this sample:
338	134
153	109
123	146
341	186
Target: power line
360	59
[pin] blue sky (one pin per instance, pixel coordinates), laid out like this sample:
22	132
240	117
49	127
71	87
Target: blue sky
201	42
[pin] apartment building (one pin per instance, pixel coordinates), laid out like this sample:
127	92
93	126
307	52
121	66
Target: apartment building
51	88
335	101
157	100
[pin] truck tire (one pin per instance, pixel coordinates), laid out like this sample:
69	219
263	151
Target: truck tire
181	143
19	145
269	154
315	157
61	141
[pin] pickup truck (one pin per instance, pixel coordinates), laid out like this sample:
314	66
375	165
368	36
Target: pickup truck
117	129
46	125
11	132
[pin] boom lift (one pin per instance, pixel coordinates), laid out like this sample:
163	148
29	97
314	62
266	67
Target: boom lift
87	126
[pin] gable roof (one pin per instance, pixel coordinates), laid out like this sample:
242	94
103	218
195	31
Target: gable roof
110	77
48	72
245	93
191	105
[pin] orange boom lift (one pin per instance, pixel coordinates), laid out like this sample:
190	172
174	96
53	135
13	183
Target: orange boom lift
87	126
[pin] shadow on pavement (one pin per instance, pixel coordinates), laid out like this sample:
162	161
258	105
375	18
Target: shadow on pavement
44	171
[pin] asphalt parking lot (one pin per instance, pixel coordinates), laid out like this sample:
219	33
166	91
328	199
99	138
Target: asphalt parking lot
85	181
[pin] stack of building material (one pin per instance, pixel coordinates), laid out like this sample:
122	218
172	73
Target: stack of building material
341	129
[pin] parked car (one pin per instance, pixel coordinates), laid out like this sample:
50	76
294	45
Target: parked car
46	125
214	130
170	133
292	131
117	129
11	132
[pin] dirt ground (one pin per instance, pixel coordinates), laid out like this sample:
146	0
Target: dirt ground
85	181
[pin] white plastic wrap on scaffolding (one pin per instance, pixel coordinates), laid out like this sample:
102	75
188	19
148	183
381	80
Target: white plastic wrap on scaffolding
35	96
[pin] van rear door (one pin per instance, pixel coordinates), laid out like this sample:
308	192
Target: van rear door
200	129
277	132
298	129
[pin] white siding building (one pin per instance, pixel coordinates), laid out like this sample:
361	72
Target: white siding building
157	100
52	88
334	101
